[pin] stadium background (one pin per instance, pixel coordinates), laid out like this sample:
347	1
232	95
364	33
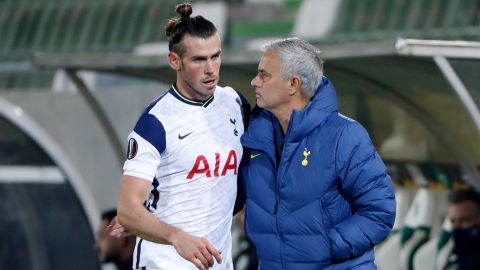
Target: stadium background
75	75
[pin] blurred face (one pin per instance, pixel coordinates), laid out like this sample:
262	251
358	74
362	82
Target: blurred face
198	69
463	215
271	91
107	247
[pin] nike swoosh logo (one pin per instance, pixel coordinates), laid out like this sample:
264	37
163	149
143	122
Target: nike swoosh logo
254	156
180	137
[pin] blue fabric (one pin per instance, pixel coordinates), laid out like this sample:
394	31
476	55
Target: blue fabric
246	109
327	213
151	129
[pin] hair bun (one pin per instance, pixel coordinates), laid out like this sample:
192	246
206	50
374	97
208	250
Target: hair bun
184	10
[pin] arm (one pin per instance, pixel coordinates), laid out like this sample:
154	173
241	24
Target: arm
241	198
241	195
139	221
365	184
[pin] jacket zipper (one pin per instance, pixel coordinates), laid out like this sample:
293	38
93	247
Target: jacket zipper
280	235
275	209
277	196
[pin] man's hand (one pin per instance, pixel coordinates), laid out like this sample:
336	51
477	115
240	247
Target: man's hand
196	250
116	229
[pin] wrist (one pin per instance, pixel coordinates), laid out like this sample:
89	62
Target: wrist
173	235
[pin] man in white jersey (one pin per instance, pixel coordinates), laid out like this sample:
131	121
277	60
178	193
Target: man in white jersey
180	178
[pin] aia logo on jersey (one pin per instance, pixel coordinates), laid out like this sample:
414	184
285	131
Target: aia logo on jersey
202	166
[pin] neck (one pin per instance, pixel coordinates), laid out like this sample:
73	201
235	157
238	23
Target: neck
284	113
185	90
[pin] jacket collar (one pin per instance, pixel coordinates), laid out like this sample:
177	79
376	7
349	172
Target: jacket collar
315	113
260	132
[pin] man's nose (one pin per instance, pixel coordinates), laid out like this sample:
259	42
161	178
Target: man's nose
209	67
254	82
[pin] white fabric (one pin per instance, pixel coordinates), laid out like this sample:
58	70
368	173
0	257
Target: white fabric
214	11
424	258
427	211
201	206
386	253
421	212
386	256
316	18
404	197
432	257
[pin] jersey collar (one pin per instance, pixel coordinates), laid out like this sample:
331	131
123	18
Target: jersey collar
189	101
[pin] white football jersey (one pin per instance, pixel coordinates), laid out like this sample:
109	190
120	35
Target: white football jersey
191	152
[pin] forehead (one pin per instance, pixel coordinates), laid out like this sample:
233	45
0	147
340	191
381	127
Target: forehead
270	61
467	208
201	46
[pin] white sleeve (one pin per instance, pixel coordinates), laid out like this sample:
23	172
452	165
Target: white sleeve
143	158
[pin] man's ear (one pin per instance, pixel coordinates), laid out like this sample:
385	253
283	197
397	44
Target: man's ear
174	61
295	85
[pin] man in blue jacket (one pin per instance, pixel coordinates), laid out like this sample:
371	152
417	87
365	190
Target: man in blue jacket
318	194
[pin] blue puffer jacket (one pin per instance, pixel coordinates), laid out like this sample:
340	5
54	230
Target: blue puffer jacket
327	202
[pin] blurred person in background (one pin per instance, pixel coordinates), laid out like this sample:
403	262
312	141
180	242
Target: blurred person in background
180	178
245	257
318	194
118	251
464	214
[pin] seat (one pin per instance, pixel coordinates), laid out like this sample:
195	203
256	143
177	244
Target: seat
214	11
398	252
15	21
417	227
434	254
386	253
424	218
307	23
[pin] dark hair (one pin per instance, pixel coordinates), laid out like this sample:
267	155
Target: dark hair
177	28
109	214
463	195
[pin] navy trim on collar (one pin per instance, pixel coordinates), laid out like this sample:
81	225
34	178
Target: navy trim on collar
184	99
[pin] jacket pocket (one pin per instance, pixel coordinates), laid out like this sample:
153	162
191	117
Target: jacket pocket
327	219
327	224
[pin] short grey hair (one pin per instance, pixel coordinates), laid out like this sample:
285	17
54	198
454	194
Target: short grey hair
299	58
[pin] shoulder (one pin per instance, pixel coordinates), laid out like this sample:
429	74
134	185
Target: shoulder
352	128
230	93
352	136
160	103
150	115
344	123
233	96
150	127
335	123
346	130
341	120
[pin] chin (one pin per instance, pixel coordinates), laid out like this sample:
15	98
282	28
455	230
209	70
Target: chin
209	92
211	89
260	104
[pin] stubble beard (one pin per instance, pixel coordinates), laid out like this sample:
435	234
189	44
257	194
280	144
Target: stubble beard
204	94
